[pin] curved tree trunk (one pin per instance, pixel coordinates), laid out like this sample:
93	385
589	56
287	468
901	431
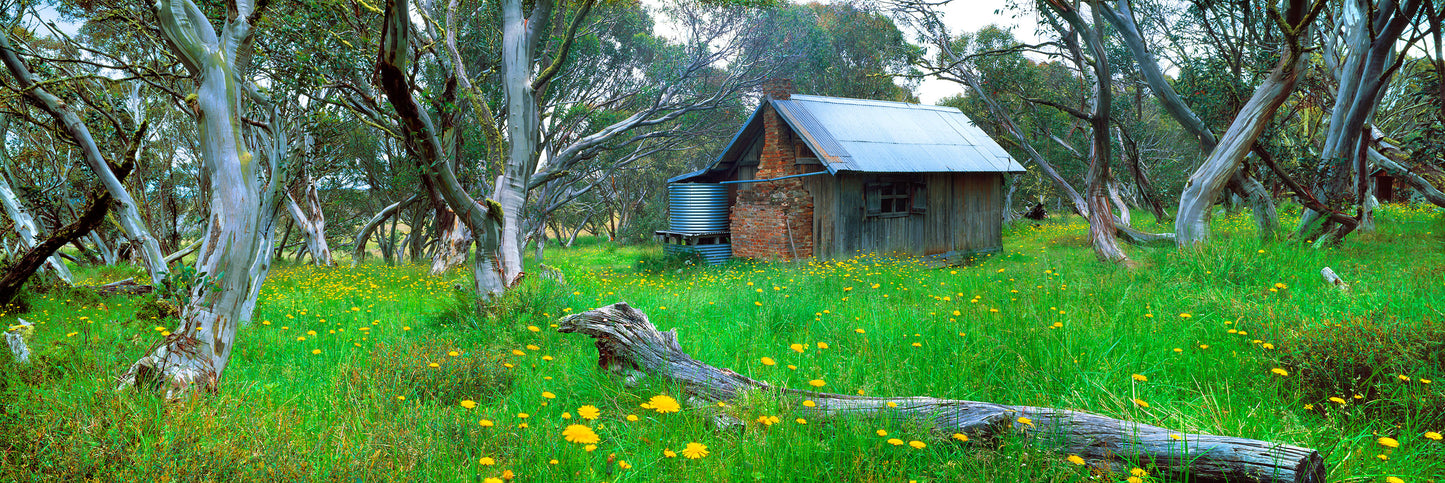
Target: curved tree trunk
25	227
234	258
125	210
358	247
627	343
1191	224
308	215
484	219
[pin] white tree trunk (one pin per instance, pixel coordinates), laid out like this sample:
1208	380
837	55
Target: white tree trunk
1191	224
25	227
454	241
311	219
519	44
234	258
124	207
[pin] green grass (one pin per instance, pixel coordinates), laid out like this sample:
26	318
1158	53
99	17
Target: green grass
1040	324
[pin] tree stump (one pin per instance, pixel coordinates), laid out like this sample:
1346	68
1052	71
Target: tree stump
629	344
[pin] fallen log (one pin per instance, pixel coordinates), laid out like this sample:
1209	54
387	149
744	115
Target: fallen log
124	287
15	338
627	343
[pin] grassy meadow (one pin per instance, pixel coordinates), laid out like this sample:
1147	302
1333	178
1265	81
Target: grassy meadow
380	373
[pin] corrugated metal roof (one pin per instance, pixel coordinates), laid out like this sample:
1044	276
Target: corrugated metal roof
876	136
892	137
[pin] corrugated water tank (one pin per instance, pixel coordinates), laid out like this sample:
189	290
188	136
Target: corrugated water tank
698	221
697	207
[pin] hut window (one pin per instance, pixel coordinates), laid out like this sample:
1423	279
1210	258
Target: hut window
894	199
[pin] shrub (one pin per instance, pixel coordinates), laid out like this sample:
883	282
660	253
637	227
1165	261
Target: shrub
1366	356
405	370
663	262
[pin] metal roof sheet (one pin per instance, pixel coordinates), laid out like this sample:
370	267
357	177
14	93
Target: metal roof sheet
877	136
892	137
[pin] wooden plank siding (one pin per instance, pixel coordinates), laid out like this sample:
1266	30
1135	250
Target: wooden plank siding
964	214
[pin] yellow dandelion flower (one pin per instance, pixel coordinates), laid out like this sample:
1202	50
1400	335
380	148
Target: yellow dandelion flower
1139	472
1393	479
662	404
817	383
492	480
1134	479
453	353
1075	459
796	348
1388	442
632	417
694	451
1404	377
822	345
916	444
548	395
589	412
1026	421
895	441
624	465
800	421
882	433
1176	437
1267	346
1281	372
860	331
534	328
315	351
667	453
486	423
1337	399
1141	403
960	437
486	461
1140	378
589	448
468	403
580	434
768	361
809	403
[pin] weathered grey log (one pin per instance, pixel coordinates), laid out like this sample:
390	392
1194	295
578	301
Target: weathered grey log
124	287
629	344
1333	279
15	338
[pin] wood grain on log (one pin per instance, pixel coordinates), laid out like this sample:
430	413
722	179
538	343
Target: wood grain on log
628	343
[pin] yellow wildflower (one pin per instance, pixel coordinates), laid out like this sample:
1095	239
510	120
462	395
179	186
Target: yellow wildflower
577	433
662	404
588	412
1075	459
1140	378
468	403
694	451
916	444
1388	442
895	441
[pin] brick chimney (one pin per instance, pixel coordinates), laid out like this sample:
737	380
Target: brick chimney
778	89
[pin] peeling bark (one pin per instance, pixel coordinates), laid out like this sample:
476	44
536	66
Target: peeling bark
358	248
628	344
126	211
308	215
1191	225
234	258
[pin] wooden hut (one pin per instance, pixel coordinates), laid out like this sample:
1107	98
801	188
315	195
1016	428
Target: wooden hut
827	177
